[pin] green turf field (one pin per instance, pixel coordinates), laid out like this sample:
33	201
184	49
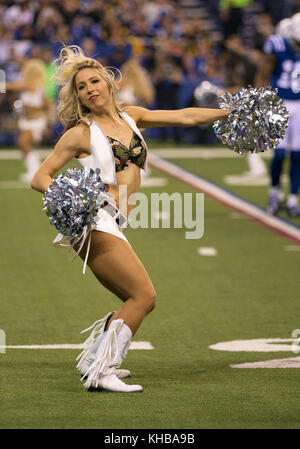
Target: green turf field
249	290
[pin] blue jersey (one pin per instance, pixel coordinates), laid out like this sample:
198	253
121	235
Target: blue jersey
286	74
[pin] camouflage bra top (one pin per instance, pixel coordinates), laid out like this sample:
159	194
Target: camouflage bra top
136	153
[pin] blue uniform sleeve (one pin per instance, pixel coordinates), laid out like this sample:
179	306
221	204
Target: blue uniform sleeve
269	46
275	44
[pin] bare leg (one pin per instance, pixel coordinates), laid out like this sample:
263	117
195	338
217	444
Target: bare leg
117	267
31	158
25	141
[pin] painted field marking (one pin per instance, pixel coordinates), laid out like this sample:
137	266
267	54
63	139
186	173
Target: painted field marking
145	345
264	345
292	362
229	199
242	180
256	345
207	251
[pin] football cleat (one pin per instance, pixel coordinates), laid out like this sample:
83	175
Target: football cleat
293	211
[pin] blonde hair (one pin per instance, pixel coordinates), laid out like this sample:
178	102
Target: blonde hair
33	71
70	109
137	77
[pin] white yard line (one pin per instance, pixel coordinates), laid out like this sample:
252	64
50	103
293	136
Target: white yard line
256	345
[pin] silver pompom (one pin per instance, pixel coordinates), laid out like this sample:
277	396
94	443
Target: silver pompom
73	199
258	120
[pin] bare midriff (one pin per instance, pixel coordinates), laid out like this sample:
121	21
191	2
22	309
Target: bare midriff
30	112
128	183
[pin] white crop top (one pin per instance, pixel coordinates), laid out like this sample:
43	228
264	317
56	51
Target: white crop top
34	99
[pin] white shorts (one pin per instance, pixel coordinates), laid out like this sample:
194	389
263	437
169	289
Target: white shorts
291	140
106	223
37	127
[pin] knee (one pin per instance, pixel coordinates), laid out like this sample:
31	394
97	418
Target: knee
147	298
151	301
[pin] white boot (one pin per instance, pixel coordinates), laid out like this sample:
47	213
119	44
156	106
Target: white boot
120	373
91	345
256	165
32	164
112	350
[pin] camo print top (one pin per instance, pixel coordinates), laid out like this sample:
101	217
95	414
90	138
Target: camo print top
136	153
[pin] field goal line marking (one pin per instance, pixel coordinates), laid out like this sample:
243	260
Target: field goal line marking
146	345
229	199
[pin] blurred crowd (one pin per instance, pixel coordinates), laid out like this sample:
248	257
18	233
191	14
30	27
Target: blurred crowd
165	49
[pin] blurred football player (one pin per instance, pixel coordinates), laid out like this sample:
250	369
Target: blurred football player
281	68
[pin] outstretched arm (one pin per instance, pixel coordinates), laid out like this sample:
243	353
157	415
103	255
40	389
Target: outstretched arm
68	147
17	86
146	118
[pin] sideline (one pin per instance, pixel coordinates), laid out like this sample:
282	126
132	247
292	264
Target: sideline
229	199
